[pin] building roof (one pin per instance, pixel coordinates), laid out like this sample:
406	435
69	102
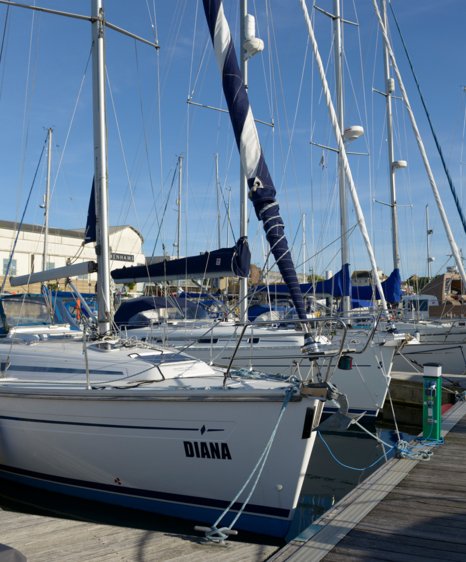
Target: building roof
74	233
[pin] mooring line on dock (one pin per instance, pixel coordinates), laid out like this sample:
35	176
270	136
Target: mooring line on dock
327	531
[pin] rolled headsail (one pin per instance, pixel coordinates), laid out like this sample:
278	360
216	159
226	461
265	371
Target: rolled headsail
261	189
90	233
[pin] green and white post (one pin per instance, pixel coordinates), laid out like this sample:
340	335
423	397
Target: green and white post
432	402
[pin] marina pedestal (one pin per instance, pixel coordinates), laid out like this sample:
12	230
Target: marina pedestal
432	402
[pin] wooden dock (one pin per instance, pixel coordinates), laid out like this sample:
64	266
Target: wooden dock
405	511
53	539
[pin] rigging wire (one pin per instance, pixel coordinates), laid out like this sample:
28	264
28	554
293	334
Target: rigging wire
165	209
2	46
282	124
146	142
462	143
131	187
191	89
73	115
372	149
434	135
27	100
197	74
366	138
10	260
267	82
159	117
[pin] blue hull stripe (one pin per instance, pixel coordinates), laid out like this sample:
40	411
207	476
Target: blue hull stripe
145	494
118	426
60	370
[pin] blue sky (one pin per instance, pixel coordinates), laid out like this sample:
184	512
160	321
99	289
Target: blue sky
45	82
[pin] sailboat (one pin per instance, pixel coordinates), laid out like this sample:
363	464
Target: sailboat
143	426
363	379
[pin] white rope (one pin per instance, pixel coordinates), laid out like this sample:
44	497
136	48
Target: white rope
217	534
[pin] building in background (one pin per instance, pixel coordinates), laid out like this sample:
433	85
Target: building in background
64	246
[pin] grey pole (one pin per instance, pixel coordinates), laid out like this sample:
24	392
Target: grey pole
243	282
100	168
338	54
47	200
389	87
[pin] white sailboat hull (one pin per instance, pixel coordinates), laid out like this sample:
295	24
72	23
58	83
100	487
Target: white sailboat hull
451	356
444	344
181	447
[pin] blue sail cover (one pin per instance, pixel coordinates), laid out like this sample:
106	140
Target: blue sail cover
340	285
129	311
391	288
90	234
337	286
261	189
225	262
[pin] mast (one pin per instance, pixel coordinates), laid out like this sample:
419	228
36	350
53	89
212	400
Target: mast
389	88
342	150
178	204
228	237
243	213
422	150
100	167
338	54
217	191
304	247
47	199
429	232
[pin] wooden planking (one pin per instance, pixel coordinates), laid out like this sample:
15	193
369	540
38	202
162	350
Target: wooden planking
407	528
49	539
422	519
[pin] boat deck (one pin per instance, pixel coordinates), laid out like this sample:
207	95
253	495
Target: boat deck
406	510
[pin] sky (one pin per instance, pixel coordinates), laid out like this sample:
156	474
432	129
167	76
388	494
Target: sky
45	82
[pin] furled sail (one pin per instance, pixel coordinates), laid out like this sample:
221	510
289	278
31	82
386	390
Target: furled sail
90	234
261	189
225	262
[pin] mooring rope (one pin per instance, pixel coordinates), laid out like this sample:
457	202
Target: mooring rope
220	534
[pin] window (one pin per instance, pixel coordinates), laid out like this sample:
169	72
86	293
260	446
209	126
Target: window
12	270
50	265
20	311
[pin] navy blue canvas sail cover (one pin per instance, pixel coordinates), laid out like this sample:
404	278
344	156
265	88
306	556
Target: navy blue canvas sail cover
340	285
261	188
391	288
225	262
337	286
